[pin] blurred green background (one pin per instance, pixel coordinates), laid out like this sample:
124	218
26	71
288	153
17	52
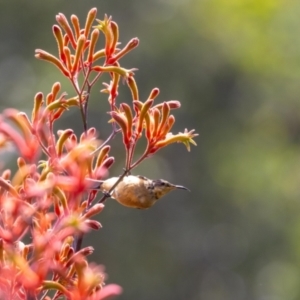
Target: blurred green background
235	67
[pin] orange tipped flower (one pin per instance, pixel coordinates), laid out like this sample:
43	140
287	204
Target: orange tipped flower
144	110
154	93
76	25
60	41
79	50
52	59
103	154
63	22
105	26
173	104
133	43
89	21
133	88
94	39
123	123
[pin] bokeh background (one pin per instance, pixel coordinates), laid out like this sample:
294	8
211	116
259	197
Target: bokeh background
235	67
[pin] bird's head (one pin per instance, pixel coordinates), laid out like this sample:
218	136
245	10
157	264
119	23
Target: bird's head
162	187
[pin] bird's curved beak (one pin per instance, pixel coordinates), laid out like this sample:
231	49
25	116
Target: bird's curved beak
181	187
93	184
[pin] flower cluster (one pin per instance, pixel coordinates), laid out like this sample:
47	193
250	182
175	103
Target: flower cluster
49	201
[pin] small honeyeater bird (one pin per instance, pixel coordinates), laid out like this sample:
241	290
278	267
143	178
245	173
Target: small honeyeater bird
137	191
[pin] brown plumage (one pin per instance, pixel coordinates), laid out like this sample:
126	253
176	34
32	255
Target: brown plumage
138	191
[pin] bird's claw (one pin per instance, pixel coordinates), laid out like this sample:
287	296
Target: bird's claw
107	194
126	171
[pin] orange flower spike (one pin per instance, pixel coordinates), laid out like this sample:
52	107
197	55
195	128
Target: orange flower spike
92	195
69	255
41	54
93	224
149	127
83	206
63	22
90	135
76	25
8	187
106	28
53	106
38	102
57	114
127	110
22	173
68	245
89	165
94	210
173	104
169	125
113	89
27	123
17	139
55	90
78	257
142	115
89	21
107	163
137	105
154	93
164	117
133	43
65	105
67	53
63	256
150	122
22	124
61	197
21	162
63	136
115	36
71	142
49	98
66	40
133	88
60	41
103	154
123	123
94	38
156	118
79	50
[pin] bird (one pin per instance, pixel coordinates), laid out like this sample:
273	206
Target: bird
137	191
